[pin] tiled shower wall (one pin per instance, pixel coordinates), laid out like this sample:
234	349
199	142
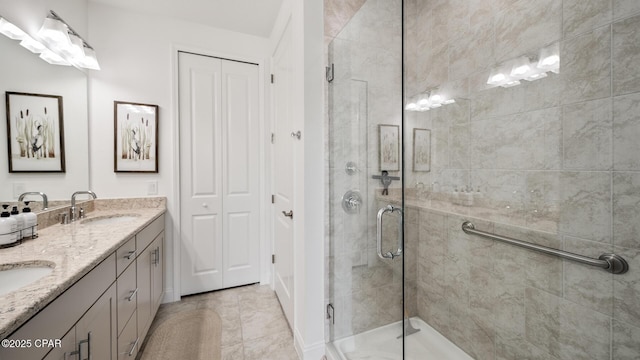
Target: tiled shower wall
554	161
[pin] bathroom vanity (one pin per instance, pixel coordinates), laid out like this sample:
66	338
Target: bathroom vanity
102	294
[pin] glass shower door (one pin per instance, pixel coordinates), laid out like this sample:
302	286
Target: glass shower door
365	299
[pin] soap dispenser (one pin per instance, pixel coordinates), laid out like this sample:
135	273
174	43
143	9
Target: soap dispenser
8	227
19	219
30	222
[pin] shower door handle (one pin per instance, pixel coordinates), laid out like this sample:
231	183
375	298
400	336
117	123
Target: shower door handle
381	212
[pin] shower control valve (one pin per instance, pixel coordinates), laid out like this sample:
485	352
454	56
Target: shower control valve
351	202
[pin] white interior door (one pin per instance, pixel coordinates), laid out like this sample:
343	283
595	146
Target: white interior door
219	183
283	174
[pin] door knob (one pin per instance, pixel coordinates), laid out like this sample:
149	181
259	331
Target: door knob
288	214
297	134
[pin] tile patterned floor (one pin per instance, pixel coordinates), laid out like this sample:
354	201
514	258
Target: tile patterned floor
253	325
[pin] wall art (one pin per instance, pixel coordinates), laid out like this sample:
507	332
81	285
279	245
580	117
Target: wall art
136	137
35	132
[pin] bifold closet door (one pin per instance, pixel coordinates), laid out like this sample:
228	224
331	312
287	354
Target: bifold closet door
219	173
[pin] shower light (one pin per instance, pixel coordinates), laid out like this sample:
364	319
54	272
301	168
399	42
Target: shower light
11	31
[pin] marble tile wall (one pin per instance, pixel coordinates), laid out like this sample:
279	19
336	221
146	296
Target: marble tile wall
554	161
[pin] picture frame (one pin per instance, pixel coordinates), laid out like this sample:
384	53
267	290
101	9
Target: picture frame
35	133
135	137
389	141
421	150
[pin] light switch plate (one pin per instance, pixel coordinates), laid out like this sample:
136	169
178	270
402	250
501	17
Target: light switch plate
152	188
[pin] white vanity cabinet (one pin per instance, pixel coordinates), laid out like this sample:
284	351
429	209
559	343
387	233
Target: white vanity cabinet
105	314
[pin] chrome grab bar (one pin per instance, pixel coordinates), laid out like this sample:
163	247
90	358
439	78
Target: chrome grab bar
612	263
389	254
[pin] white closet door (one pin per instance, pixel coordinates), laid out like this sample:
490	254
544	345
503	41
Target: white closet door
219	163
240	174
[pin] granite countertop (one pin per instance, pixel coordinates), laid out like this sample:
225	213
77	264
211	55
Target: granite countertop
75	249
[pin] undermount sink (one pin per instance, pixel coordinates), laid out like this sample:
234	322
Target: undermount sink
108	219
14	276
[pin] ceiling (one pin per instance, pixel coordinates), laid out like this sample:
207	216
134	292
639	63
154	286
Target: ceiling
253	17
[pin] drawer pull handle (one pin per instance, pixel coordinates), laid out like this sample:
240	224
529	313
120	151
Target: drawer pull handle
130	254
133	294
133	347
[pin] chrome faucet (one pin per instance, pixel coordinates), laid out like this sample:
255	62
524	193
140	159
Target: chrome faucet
45	200
72	211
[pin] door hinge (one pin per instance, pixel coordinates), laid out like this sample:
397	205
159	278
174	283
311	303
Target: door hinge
273	138
273	258
272	78
273	199
329	73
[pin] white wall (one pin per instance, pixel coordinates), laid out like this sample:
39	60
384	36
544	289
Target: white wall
137	55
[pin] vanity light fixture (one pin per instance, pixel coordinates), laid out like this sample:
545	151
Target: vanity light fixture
67	43
60	45
32	45
549	59
53	58
427	100
11	31
521	67
411	106
55	33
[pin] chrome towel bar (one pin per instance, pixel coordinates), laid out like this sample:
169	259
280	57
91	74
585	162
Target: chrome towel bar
612	263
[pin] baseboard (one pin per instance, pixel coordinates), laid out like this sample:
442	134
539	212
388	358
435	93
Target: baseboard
168	296
312	352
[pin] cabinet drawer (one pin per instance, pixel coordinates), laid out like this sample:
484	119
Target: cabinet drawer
128	341
146	235
127	296
125	255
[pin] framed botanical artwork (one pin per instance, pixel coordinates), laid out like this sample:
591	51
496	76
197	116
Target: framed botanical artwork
389	147
135	138
35	132
421	150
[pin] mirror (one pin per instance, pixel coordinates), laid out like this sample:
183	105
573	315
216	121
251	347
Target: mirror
24	72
